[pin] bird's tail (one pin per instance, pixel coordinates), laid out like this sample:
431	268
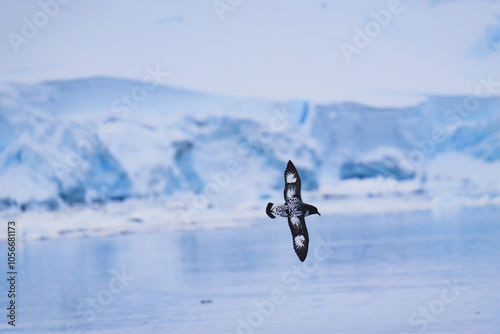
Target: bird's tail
269	211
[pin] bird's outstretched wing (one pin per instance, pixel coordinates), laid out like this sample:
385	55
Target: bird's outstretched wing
300	237
292	183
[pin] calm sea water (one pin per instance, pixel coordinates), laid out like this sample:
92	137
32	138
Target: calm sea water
399	273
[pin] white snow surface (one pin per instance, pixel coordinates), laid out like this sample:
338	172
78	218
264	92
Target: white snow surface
76	160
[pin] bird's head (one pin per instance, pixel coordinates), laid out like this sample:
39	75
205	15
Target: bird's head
313	210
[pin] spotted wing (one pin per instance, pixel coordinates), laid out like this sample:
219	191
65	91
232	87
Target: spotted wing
300	237
274	210
292	183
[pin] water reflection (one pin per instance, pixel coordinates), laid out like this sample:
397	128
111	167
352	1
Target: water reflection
379	271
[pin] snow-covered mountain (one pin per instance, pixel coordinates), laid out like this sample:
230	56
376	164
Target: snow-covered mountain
100	140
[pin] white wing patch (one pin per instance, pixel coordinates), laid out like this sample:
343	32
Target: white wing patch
295	220
290	192
290	177
299	241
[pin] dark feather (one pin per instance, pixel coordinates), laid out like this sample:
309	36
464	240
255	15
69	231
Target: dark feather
268	210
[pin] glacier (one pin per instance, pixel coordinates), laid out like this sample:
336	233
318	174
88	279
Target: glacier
102	143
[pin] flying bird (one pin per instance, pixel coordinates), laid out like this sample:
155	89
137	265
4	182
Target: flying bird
295	210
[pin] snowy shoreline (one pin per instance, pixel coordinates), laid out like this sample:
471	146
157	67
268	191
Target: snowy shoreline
139	216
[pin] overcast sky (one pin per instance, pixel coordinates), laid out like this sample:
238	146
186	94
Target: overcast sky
276	49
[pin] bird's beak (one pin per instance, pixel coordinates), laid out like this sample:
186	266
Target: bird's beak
319	213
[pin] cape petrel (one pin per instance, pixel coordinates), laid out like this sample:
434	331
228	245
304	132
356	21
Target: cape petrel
295	210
